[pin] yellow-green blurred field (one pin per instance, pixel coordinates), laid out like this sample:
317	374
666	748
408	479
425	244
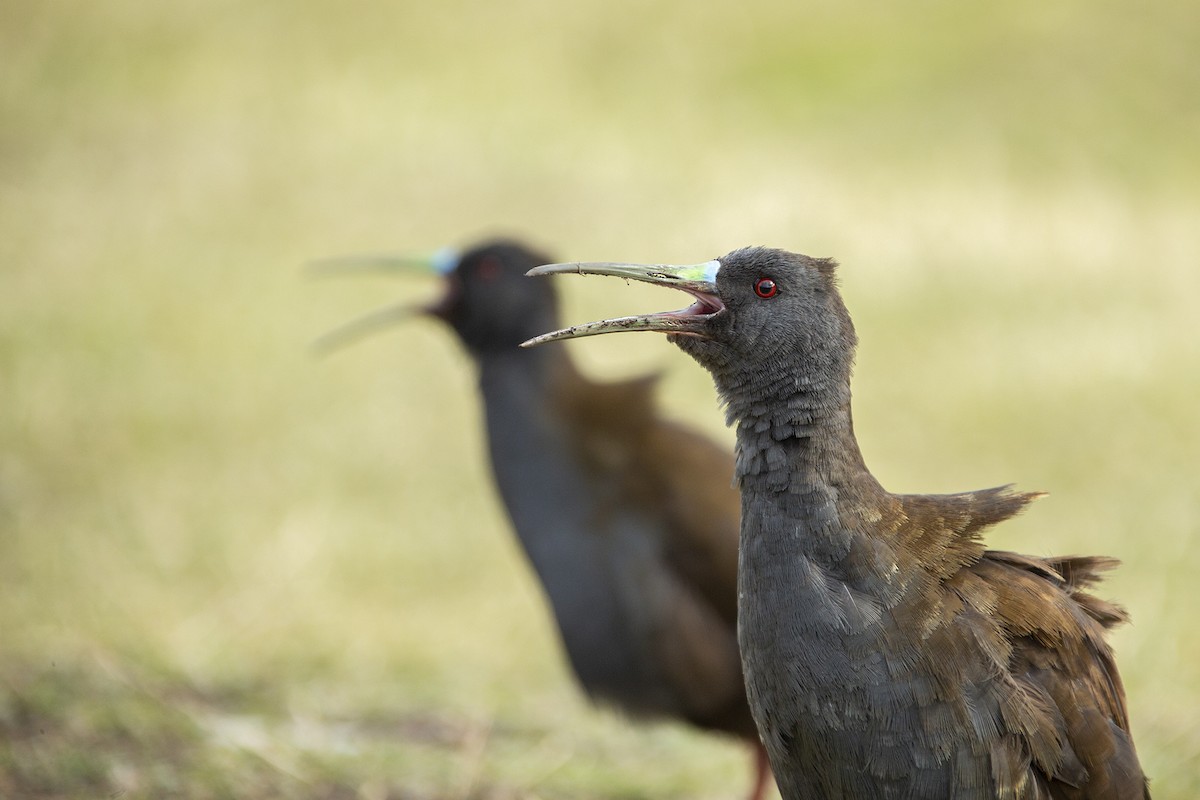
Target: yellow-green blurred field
228	569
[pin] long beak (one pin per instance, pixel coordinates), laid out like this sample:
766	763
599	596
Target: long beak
364	326
698	280
439	262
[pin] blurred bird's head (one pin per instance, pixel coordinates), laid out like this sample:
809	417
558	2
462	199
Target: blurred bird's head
486	299
758	315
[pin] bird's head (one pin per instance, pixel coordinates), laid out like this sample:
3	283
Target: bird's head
489	303
757	313
485	298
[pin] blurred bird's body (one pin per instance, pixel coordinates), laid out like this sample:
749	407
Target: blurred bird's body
887	653
629	521
641	580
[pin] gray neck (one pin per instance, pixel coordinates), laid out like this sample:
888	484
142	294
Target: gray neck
528	440
541	481
795	431
806	491
554	505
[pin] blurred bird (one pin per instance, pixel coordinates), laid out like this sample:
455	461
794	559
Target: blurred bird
629	520
887	653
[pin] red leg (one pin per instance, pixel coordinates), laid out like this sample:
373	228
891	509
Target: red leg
762	771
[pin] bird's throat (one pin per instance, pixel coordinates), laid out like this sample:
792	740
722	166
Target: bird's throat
803	436
806	491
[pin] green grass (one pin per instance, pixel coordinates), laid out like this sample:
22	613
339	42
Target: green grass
230	570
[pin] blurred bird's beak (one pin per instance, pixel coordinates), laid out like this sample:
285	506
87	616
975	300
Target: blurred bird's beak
698	280
439	262
362	327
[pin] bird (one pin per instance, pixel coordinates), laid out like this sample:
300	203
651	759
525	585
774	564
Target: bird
629	520
887	652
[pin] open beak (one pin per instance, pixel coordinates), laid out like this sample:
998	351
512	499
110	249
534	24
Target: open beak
698	280
439	262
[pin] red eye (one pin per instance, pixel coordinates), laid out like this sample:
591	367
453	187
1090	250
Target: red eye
489	269
765	287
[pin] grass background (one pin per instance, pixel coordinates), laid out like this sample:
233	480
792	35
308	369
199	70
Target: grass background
230	570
